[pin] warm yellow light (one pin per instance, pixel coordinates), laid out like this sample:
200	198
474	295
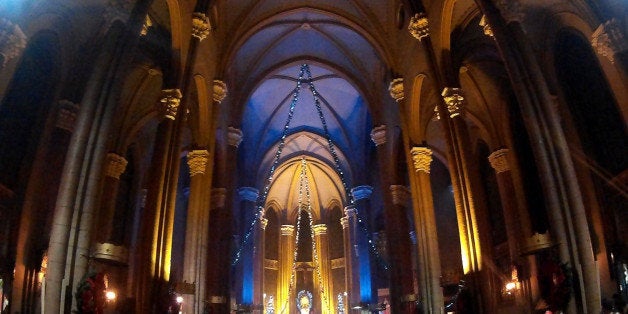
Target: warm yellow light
110	295
510	286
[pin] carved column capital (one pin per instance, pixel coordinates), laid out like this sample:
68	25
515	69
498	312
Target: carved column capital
419	26
287	230
200	25
234	136
197	161
319	229
263	223
66	115
422	157
220	91
170	99
396	89
488	31
499	160
609	40
344	221
361	192
378	135
116	165
12	40
148	23
454	100
248	193
400	194
350	212
218	197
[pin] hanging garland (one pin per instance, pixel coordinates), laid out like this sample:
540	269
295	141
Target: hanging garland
305	74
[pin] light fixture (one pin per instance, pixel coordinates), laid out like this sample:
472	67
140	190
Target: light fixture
110	295
179	299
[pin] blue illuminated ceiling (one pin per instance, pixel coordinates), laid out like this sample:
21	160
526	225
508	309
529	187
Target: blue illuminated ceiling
345	66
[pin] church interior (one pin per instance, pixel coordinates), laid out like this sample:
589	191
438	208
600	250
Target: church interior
272	156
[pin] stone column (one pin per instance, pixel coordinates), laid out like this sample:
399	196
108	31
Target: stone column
352	264
156	222
396	227
322	262
472	226
398	232
286	281
427	238
366	262
567	220
516	222
114	167
258	261
221	221
193	260
249	231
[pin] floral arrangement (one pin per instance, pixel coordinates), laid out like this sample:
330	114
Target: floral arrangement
90	294
558	278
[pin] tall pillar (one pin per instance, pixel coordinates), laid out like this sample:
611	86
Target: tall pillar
322	263
221	218
398	232
114	167
258	261
352	264
366	262
397	229
249	231
286	247
516	223
474	244
193	261
157	218
427	238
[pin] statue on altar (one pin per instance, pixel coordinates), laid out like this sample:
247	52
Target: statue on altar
304	302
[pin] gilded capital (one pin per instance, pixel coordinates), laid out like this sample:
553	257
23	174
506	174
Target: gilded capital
419	26
454	100
148	23
248	193
263	223
66	115
499	160
378	135
170	99
436	114
12	40
319	229
422	158
200	25
400	194
609	40
234	136
115	165
488	31
218	197
220	91
344	221
396	89
197	160
287	230
361	192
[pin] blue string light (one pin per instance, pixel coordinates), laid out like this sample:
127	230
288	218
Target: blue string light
305	70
